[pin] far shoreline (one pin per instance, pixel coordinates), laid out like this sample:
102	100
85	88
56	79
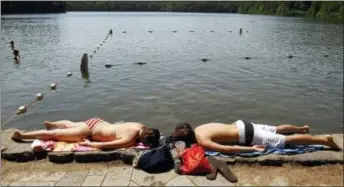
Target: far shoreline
334	21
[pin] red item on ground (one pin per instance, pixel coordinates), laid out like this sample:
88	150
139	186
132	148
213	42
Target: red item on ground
195	161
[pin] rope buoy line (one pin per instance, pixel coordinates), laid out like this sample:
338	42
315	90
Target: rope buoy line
23	109
175	31
39	96
101	44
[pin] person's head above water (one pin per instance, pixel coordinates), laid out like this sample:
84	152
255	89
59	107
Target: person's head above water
184	132
149	136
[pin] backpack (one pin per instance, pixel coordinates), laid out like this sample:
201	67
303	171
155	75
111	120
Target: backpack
157	160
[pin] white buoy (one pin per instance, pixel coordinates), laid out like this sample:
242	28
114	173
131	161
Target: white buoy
69	74
39	96
53	86
21	110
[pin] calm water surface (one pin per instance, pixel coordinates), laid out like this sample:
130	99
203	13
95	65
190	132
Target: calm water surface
174	85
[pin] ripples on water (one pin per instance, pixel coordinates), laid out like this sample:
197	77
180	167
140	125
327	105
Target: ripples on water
269	88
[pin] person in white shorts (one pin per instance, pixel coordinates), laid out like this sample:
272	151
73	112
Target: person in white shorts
247	136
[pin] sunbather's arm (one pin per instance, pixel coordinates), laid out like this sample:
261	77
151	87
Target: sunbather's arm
116	144
213	146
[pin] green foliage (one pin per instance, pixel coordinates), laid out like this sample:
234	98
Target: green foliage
282	10
317	9
27	7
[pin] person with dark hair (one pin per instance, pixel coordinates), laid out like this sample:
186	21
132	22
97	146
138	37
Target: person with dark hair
103	134
246	136
149	136
184	132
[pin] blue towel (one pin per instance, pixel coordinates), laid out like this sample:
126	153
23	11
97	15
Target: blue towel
288	150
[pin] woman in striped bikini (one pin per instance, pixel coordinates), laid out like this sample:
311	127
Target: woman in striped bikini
103	134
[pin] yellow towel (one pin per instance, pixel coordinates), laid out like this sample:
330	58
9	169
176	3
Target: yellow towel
64	146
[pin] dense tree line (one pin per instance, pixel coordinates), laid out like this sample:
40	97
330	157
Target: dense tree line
28	7
316	9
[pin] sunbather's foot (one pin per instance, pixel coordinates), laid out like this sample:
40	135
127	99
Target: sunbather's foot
16	135
49	125
331	143
305	129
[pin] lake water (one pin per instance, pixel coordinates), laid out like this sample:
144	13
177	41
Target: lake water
174	85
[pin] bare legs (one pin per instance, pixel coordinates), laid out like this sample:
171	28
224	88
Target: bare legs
62	124
59	130
306	139
285	129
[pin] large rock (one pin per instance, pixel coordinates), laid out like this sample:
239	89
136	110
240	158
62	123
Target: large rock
61	157
6	141
270	160
245	160
230	161
15	151
127	156
319	158
338	138
90	156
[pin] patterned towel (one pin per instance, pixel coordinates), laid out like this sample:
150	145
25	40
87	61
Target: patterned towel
288	150
41	145
140	145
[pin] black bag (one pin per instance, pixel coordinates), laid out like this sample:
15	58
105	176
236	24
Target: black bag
157	160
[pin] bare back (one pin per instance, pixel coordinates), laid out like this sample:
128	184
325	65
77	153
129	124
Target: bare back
217	132
105	132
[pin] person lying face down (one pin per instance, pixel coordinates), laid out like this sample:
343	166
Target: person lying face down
247	136
104	135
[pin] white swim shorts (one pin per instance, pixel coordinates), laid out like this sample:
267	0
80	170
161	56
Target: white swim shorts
263	135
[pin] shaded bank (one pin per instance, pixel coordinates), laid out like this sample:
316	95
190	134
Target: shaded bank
316	9
32	7
325	10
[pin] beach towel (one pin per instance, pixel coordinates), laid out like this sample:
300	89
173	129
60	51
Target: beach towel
288	150
57	146
140	145
41	145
